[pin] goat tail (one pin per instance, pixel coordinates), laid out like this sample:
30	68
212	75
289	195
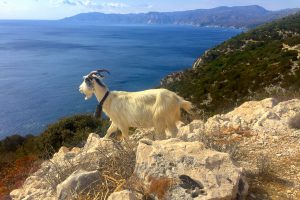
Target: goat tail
186	105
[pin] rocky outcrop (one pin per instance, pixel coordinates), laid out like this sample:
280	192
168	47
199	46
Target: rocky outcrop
66	173
267	115
194	172
183	167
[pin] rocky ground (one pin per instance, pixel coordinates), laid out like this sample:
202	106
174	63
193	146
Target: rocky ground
253	148
268	149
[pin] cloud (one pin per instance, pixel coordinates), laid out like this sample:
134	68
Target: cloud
90	4
115	5
68	2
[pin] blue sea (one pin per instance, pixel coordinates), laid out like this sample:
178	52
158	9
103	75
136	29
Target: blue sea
42	64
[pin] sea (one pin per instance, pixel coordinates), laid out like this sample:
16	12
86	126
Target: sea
42	64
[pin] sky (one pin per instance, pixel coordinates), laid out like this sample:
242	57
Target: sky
57	9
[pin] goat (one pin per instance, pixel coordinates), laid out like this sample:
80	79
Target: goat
158	108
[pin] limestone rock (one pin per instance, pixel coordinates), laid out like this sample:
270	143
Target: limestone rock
208	174
41	184
76	183
267	116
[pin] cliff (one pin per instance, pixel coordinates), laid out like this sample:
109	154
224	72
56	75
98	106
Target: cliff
214	159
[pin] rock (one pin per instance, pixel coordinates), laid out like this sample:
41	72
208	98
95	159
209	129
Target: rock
63	163
266	116
122	195
192	131
94	142
252	110
76	183
208	174
287	109
33	188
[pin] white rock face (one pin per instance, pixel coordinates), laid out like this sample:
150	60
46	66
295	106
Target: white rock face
262	116
217	177
76	183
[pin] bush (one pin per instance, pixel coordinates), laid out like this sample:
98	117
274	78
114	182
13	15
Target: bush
70	132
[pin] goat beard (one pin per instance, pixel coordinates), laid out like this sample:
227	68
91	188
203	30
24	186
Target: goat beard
88	95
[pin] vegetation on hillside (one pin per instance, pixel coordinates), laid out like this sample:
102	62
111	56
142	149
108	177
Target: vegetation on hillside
261	62
21	155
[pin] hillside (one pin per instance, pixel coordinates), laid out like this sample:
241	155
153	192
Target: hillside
253	149
259	63
237	16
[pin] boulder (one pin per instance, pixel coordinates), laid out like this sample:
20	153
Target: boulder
186	170
76	183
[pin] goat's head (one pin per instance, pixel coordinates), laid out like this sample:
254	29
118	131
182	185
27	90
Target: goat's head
87	87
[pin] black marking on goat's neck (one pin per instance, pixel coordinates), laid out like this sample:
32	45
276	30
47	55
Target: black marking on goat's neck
98	111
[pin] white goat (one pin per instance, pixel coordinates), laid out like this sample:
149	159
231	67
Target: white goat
158	108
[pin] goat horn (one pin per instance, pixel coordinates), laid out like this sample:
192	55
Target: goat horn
98	72
103	70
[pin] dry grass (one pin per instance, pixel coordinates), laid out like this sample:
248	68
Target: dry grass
115	169
223	141
115	165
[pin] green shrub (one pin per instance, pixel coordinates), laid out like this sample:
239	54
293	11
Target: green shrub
70	132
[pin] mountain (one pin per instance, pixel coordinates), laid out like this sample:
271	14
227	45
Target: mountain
237	16
259	63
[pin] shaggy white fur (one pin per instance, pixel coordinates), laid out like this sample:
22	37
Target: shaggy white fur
158	108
